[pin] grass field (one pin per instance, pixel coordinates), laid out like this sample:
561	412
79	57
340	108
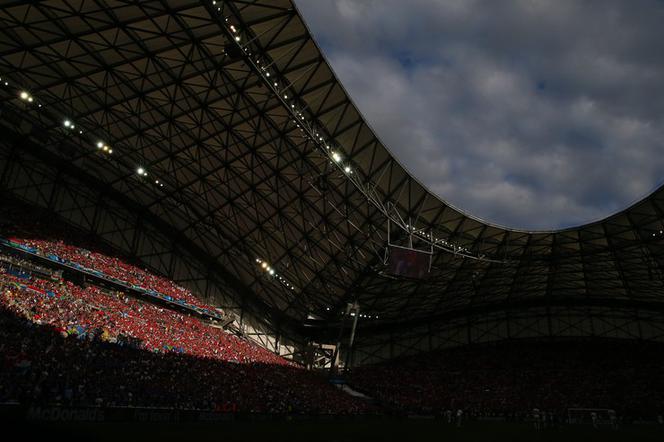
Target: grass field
339	431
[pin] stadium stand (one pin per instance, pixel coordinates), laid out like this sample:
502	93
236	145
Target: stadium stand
163	357
513	378
84	346
23	231
97	338
105	331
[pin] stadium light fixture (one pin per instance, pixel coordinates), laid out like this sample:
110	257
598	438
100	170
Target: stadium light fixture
140	171
336	157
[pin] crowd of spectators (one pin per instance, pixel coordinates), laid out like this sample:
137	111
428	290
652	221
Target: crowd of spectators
111	266
65	344
88	345
26	226
513	378
91	310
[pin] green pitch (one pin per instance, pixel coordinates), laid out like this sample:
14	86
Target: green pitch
337	431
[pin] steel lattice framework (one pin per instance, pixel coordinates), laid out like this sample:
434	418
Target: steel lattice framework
232	107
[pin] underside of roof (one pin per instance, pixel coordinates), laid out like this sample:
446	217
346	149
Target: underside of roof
251	150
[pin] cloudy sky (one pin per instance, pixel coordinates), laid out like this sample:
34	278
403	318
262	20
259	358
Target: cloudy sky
526	113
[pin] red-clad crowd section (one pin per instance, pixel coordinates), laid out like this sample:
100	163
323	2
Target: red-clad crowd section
110	266
37	231
71	309
62	343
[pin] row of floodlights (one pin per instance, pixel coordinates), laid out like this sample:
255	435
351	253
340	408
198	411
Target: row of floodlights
270	270
335	156
69	124
140	171
430	237
237	37
104	147
27	97
361	315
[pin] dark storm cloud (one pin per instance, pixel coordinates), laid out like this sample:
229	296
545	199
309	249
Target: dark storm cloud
531	114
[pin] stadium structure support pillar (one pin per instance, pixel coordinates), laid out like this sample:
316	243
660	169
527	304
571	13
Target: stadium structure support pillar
352	310
355	311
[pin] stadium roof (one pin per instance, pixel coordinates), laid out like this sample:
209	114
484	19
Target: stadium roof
228	109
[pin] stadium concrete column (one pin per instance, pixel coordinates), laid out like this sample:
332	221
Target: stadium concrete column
335	355
337	349
356	308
